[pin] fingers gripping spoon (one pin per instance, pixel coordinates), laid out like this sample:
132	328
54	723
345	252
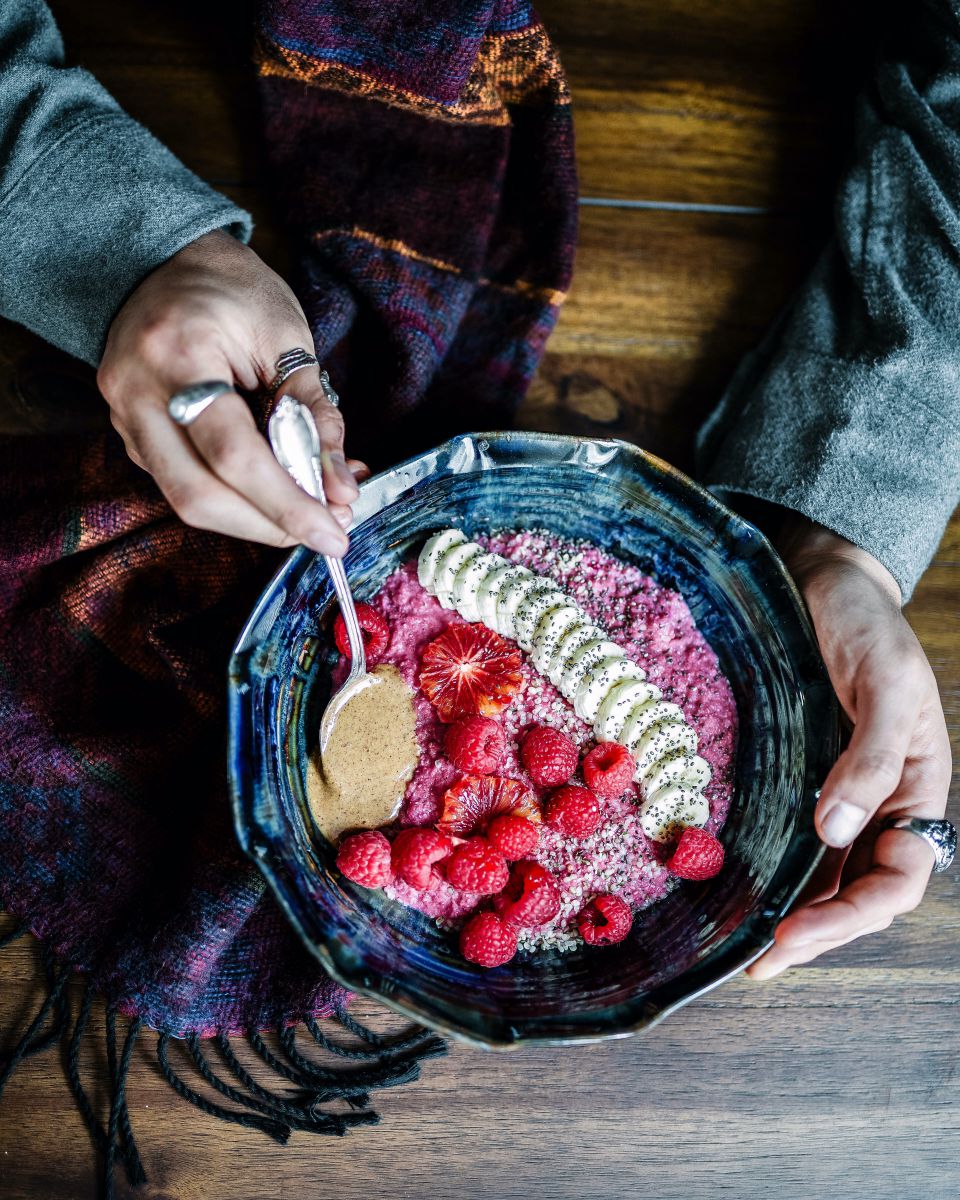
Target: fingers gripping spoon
296	445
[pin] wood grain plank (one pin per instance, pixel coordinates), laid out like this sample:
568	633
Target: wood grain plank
690	285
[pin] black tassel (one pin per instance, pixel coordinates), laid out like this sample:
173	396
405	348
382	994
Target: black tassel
27	1044
356	1098
12	934
119	1128
279	1131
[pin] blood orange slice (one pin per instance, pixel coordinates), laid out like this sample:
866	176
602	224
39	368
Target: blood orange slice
473	800
470	669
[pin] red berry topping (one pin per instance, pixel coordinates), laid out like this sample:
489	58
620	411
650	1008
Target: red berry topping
365	858
476	866
531	897
475	744
414	853
473	800
573	810
376	632
487	940
514	836
609	769
605	920
550	758
698	855
470	669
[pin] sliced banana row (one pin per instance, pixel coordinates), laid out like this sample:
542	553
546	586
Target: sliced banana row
606	689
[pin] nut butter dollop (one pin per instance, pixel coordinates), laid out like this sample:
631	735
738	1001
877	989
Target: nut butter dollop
371	753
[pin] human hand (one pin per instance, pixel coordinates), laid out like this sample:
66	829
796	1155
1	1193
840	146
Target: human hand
215	310
898	761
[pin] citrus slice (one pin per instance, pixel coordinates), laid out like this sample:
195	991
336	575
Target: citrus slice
470	669
473	800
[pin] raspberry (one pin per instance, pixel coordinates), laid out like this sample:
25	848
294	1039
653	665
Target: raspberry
475	745
414	853
550	758
605	920
573	810
608	769
476	866
365	858
531	897
698	855
487	940
376	632
515	837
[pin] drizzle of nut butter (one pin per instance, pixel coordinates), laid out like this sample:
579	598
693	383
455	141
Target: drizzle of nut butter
359	780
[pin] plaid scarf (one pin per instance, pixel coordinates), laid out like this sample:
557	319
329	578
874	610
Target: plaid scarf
424	161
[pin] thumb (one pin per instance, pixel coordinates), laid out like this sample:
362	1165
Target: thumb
870	768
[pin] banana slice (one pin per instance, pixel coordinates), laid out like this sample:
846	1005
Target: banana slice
644	717
660	741
450	563
433	550
550	629
582	659
511	595
576	635
618	704
672	810
529	611
466	584
688	770
489	590
599	679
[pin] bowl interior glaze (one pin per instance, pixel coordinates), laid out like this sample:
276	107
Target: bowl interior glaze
638	508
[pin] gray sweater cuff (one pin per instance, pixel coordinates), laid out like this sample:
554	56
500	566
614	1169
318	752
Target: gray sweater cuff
869	450
140	205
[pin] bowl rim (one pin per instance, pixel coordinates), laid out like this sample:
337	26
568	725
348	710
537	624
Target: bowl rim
743	946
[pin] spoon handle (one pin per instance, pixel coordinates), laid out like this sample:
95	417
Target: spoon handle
296	445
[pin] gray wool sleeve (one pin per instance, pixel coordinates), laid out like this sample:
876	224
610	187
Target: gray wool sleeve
849	412
90	201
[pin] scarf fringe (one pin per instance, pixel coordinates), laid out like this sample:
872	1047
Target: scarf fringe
376	1062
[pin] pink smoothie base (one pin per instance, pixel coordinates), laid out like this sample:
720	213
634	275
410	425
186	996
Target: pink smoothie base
654	627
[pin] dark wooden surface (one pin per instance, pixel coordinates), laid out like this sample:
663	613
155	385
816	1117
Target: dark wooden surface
837	1079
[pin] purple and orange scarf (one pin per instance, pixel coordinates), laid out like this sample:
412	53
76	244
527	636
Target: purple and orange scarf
422	155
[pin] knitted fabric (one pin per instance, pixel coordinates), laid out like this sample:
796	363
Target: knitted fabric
425	165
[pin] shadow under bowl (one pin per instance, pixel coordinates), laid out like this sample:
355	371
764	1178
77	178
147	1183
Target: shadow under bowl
645	512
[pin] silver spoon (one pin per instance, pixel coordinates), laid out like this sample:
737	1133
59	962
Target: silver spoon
296	445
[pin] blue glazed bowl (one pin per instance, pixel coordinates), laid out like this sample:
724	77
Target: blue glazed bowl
644	511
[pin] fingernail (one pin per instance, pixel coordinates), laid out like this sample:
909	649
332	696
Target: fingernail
842	823
341	517
328	543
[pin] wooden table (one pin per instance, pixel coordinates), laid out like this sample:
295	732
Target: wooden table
708	137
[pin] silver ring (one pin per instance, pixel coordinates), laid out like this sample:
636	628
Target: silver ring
940	836
289	362
187	404
330	395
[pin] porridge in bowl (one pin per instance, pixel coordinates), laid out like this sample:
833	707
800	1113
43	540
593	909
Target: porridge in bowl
575	740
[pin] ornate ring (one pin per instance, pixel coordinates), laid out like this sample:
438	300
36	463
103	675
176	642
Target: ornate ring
187	404
329	394
940	836
289	362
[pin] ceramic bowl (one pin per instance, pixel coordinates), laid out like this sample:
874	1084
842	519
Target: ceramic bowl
644	511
